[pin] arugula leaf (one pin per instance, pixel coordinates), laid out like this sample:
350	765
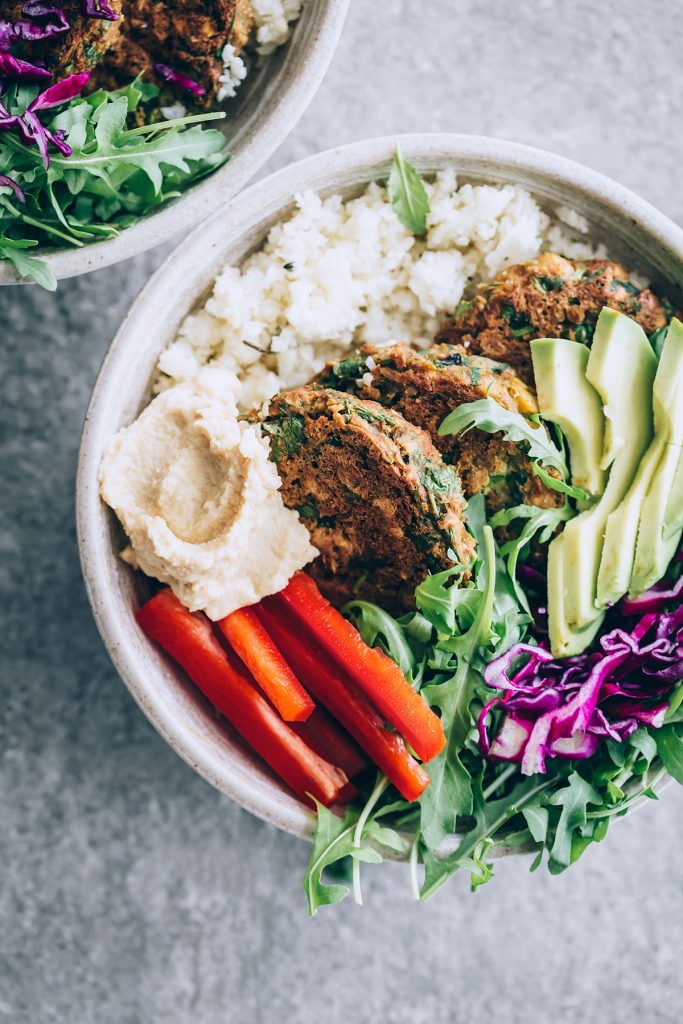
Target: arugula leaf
449	793
537	818
670	749
490	817
113	177
675	709
27	266
408	195
543	521
571	490
573	799
355	836
332	842
438	597
374	624
490	417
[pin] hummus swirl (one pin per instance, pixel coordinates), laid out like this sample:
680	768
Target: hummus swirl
198	497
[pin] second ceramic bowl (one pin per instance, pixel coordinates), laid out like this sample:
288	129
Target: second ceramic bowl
632	229
264	112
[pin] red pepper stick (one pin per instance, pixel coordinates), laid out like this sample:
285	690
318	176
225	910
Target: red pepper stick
251	643
328	739
377	675
344	700
190	640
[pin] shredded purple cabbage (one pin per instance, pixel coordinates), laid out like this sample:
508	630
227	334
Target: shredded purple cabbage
13	67
563	707
28	125
18	191
99	9
60	92
30	31
654	599
176	78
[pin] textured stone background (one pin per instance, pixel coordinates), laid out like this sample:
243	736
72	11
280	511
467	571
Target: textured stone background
131	892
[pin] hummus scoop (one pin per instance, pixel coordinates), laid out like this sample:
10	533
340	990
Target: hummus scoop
199	499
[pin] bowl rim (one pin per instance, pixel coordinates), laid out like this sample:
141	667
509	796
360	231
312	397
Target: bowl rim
494	159
283	113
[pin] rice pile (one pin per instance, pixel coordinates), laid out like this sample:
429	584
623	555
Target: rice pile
335	274
273	20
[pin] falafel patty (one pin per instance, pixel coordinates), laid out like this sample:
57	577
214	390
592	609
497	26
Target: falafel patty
188	35
425	386
548	297
380	504
77	49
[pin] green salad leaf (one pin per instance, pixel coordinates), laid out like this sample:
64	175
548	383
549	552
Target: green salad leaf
449	794
541	521
408	195
359	836
571	490
489	416
458	627
380	629
573	799
490	817
670	749
114	176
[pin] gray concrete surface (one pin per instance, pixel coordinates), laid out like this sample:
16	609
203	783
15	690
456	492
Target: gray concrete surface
131	892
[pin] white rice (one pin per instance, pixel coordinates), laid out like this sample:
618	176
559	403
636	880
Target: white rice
335	274
272	21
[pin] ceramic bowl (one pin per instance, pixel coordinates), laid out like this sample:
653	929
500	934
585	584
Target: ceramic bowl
260	117
632	229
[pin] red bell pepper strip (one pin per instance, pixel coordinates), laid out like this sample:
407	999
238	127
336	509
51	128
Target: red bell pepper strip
328	739
251	643
371	669
190	640
344	700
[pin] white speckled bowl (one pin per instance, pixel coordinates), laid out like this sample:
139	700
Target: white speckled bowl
633	229
266	108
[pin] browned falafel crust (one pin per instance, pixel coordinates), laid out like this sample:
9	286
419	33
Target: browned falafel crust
425	386
380	504
187	35
547	297
79	48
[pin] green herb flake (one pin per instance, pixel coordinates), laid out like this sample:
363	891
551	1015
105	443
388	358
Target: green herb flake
288	434
627	286
463	307
545	283
518	319
349	369
373	416
308	511
584	332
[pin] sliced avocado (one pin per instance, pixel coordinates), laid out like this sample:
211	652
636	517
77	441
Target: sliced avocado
564	642
621	531
565	397
657	542
673	517
617	339
659	526
621	345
